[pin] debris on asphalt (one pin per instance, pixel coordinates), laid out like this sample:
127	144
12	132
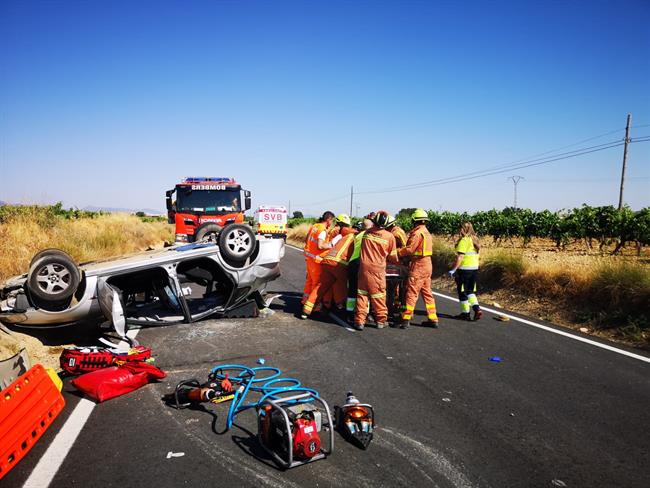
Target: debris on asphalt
583	330
502	318
171	454
495	304
512	414
266	312
261	361
495	359
446	399
389	357
557	482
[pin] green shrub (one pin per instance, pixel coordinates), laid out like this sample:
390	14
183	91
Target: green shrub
502	268
620	295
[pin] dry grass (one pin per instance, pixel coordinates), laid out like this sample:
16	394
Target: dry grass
298	235
608	295
84	239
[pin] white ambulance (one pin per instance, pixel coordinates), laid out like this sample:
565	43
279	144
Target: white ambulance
272	221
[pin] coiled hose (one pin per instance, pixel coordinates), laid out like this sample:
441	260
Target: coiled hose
270	386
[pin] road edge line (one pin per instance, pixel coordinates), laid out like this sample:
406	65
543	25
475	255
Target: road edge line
545	327
50	462
555	331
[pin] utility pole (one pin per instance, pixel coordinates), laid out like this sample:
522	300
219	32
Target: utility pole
351	198
516	180
627	141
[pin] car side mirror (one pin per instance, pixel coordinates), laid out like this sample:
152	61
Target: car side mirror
247	203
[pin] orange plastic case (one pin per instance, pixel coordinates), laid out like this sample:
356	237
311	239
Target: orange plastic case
27	408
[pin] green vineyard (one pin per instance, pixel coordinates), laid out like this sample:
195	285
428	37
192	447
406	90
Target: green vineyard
596	226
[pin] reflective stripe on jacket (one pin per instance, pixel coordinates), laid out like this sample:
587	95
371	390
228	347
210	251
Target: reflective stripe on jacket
311	249
419	243
357	245
400	236
378	247
341	252
465	246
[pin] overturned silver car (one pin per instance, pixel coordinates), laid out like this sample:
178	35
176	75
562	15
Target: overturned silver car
177	284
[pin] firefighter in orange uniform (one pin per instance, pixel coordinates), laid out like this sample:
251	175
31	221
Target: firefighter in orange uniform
315	244
419	249
334	270
377	248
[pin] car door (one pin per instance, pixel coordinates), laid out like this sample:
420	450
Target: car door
111	306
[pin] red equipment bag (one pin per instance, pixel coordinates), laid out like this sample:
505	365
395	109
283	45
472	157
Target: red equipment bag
77	360
107	383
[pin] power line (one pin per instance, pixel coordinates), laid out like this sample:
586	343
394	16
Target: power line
499	170
585	180
520	164
507	165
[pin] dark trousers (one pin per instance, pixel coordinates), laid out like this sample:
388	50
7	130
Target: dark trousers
466	284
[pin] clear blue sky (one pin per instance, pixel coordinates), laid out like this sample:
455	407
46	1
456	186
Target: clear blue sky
110	103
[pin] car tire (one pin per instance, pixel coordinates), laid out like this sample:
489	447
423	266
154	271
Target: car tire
209	230
49	251
52	279
237	242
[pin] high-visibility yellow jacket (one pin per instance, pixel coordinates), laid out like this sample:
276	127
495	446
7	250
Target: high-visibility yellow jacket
465	246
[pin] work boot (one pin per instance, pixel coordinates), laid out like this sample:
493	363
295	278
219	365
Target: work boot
370	319
463	316
430	323
304	316
356	326
405	324
381	325
478	313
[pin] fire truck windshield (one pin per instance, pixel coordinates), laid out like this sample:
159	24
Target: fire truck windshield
208	201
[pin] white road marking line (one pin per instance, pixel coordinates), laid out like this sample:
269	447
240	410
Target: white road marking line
546	328
555	331
51	461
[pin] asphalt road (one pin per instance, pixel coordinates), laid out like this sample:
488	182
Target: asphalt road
554	412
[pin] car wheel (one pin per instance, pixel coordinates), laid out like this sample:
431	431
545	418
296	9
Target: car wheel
209	230
53	278
49	251
237	242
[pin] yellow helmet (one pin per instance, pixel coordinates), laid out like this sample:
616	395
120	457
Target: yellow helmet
344	219
419	214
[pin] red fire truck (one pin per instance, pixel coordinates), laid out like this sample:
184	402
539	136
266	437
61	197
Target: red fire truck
204	205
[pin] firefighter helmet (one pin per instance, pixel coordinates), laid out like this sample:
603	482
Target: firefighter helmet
390	221
343	219
419	214
381	219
